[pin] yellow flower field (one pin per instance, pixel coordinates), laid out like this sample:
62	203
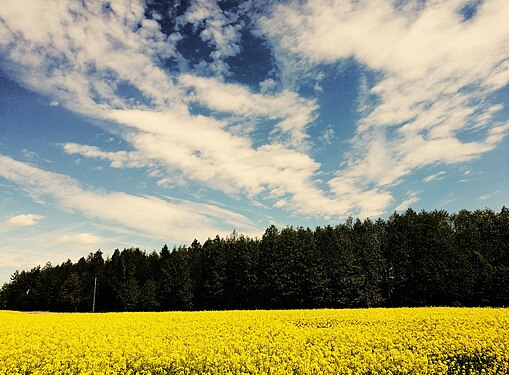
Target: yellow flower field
370	341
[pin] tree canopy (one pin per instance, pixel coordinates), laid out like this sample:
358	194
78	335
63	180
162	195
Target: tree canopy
411	259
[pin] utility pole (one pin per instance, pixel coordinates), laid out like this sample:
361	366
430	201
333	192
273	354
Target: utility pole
95	290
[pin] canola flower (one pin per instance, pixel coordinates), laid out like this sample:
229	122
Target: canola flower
363	341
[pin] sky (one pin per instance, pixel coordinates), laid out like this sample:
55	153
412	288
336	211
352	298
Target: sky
139	123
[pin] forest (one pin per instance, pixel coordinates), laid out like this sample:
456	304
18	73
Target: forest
410	259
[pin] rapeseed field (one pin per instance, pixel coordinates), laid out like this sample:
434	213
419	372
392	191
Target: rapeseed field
364	341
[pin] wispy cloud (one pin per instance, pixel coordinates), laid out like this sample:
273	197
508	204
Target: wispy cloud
200	147
80	239
118	159
24	220
170	182
160	126
295	112
327	136
486	197
434	177
431	102
79	54
412	198
179	221
219	31
57	245
436	73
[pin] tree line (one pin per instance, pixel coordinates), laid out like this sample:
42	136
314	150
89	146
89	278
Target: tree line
411	259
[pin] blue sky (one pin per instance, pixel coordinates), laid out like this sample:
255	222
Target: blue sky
138	123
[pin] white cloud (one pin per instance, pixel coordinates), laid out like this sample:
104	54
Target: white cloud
118	159
163	132
29	155
327	136
364	96
436	73
80	239
179	221
295	112
412	198
219	32
488	196
78	54
24	220
434	177
200	148
19	252
267	85
171	182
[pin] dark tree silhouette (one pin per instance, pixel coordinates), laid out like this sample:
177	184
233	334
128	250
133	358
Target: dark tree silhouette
410	259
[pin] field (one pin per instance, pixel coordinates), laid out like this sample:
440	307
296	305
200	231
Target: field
364	341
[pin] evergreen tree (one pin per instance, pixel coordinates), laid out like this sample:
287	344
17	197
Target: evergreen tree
411	259
72	291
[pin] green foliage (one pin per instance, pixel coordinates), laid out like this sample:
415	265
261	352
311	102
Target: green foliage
72	291
411	259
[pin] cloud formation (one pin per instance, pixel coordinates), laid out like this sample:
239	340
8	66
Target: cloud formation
407	203
219	30
180	220
295	112
430	101
80	239
488	196
436	72
160	125
24	220
434	177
